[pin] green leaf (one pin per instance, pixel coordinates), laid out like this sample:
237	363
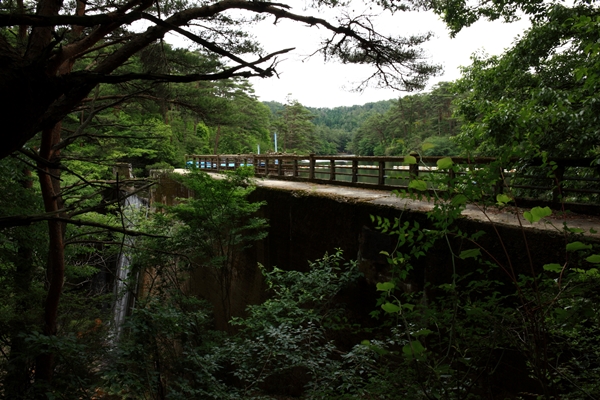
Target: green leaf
423	332
575	246
537	213
471	253
426	146
385	286
408	306
390	308
418	185
575	230
459	200
410	160
503	199
553	267
413	349
594	258
444	163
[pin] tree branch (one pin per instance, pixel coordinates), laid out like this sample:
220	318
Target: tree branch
53	20
227	73
24	220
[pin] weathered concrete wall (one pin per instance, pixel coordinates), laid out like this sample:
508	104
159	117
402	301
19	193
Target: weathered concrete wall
304	226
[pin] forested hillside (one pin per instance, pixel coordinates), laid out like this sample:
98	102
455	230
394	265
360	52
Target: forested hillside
334	127
389	127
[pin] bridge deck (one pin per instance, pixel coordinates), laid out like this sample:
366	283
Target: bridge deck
504	216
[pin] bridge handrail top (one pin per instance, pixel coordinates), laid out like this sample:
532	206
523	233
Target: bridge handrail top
575	161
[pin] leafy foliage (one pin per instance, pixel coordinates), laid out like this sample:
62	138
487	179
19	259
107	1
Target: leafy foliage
539	96
450	333
286	337
410	122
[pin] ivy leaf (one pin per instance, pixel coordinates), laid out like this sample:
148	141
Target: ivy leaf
594	258
537	213
502	199
418	185
471	253
410	160
575	246
385	286
427	146
444	163
575	230
553	267
390	308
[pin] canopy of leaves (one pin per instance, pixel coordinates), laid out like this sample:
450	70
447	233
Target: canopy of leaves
54	53
409	122
542	95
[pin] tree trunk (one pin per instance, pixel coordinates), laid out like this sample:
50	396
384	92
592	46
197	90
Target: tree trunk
49	179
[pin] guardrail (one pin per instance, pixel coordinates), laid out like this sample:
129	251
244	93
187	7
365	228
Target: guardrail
558	179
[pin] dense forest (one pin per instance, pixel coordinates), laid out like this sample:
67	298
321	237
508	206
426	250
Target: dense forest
96	290
389	127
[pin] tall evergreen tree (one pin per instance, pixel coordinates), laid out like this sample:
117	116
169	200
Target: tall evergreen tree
295	129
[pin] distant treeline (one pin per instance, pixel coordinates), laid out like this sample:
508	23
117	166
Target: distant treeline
388	127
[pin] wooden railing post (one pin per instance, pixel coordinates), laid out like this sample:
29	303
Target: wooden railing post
354	170
332	170
311	168
295	168
413	169
559	174
451	173
499	186
280	167
266	166
381	175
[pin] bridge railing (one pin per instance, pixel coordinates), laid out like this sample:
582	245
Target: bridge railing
556	179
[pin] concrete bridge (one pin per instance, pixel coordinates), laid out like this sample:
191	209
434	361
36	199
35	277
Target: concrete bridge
307	219
551	182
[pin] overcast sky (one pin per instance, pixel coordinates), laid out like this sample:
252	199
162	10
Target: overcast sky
317	84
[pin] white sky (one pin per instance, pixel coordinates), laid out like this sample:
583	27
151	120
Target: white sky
317	84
